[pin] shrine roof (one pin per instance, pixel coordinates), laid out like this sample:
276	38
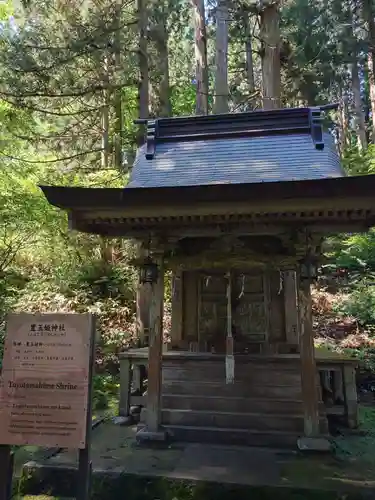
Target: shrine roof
253	147
262	168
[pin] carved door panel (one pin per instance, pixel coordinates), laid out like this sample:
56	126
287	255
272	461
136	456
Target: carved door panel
250	320
249	309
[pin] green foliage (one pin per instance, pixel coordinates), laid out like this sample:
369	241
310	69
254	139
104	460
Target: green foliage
105	389
359	304
356	163
365	356
101	280
183	100
355	252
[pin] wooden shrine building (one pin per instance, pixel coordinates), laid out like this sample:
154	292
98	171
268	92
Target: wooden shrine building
236	206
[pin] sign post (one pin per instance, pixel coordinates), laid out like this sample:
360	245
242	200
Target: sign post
84	459
6	472
47	384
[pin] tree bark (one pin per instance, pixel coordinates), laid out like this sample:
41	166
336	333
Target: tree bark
143	86
117	98
164	89
201	71
160	35
358	109
158	56
344	124
270	38
371	80
368	15
249	52
221	75
105	118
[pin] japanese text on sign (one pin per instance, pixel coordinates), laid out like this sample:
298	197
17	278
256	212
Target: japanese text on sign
44	397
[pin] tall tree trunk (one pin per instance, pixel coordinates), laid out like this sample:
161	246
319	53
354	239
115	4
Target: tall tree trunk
117	96
160	37
358	109
249	51
164	88
368	15
221	76
343	116
105	117
201	71
159	88
270	38
143	86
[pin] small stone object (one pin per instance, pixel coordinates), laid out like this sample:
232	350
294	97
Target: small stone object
135	410
314	444
122	420
143	435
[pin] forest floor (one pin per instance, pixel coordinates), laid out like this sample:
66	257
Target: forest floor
350	469
344	334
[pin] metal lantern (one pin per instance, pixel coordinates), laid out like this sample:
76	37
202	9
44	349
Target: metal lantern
149	271
308	268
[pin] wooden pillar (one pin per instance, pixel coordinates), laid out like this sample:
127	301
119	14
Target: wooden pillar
312	440
308	366
153	431
350	395
125	387
291	308
143	298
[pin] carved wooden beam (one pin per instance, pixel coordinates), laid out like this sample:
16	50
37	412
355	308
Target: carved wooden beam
303	241
220	261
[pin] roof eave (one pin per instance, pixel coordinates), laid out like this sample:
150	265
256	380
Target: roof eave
82	199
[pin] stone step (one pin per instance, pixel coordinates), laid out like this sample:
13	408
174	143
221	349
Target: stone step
230	436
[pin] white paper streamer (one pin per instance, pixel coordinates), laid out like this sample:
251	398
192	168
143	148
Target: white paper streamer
229	358
229	369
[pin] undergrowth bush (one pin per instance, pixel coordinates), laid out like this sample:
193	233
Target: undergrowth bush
105	389
359	304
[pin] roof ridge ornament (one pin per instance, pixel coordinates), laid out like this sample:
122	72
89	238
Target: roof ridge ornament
316	124
152	133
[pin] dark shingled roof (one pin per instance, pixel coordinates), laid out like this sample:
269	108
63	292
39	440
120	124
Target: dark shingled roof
281	145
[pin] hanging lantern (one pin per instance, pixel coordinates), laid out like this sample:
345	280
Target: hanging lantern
308	268
148	271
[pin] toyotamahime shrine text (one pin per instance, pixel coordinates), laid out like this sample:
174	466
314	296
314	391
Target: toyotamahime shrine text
42	385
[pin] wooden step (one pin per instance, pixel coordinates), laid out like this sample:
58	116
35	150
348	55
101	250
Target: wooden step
237	389
253	421
233	404
246	374
230	436
258	364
